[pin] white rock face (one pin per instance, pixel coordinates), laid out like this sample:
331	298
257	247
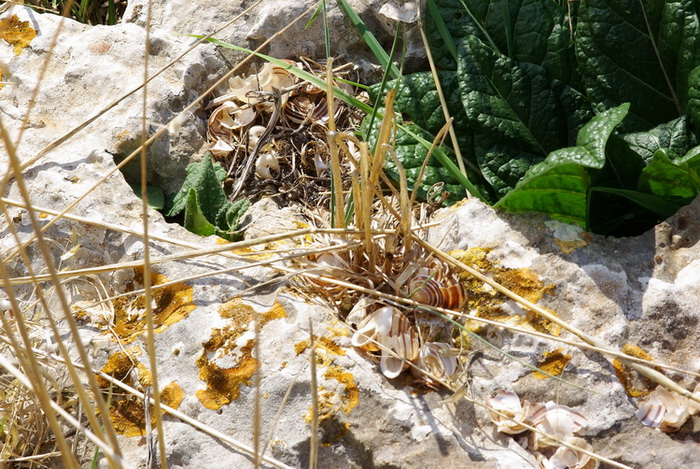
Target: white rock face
641	291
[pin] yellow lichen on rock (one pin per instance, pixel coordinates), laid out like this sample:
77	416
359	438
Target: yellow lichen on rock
224	382
484	301
641	386
126	412
17	33
170	305
553	363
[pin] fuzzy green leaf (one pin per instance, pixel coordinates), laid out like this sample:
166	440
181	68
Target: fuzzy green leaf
558	186
228	218
205	178
195	221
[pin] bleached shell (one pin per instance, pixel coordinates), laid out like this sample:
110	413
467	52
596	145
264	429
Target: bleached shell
226	119
376	324
664	410
436	359
254	134
568	458
221	148
5	305
556	422
512	412
388	330
266	165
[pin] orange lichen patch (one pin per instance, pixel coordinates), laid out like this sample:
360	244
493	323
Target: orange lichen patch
351	394
172	395
567	247
224	383
553	363
635	385
256	254
324	343
171	304
128	416
485	302
119	367
331	402
541	324
17	33
126	411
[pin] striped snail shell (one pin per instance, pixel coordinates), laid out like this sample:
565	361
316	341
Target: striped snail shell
427	290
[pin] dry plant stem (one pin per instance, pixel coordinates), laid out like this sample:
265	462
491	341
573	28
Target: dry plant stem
150	140
29	362
256	404
441	95
336	178
313	450
194	423
159	260
43	247
644	370
58	142
106	448
438	141
150	328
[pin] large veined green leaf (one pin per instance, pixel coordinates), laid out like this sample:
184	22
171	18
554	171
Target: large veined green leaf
638	51
517	112
694	96
558	186
416	96
532	31
669	175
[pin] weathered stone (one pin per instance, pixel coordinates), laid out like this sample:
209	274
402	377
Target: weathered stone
642	290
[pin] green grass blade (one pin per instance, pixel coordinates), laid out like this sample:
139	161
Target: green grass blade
326	30
447	38
385	78
370	40
315	14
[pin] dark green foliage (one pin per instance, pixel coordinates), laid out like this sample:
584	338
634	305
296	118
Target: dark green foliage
595	126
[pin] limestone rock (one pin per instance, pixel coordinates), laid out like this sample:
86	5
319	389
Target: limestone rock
642	291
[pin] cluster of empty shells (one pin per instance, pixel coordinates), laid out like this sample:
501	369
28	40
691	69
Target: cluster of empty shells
554	442
244	115
402	337
667	410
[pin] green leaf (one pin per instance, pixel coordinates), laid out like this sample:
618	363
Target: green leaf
228	218
638	51
532	31
672	177
195	221
694	96
205	178
558	186
517	113
674	135
156	198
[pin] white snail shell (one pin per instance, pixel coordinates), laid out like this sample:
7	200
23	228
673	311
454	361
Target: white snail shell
266	165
